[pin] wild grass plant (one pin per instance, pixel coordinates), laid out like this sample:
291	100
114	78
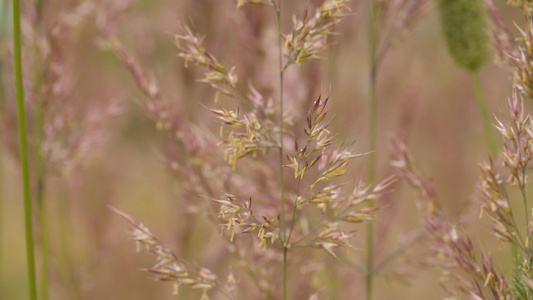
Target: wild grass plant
259	129
466	31
467	271
271	193
55	132
388	23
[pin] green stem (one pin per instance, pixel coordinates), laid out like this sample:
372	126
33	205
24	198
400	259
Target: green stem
40	171
372	39
483	111
1	183
3	30
39	157
63	253
524	199
292	223
24	160
45	239
399	251
285	249
281	176
491	141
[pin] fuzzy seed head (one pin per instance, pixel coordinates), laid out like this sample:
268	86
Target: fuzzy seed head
466	32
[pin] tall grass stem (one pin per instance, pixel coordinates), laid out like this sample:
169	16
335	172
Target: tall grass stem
281	176
24	159
372	40
484	113
1	186
3	35
489	135
64	262
45	241
39	166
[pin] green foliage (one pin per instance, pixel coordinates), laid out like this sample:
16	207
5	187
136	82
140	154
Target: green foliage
522	280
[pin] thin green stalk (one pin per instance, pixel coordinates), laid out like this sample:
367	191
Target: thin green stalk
293	217
524	199
372	39
281	176
399	251
24	160
491	140
483	111
65	234
39	164
1	182
5	8
45	239
40	171
285	273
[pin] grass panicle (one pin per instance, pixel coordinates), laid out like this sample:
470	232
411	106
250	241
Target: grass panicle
259	127
465	274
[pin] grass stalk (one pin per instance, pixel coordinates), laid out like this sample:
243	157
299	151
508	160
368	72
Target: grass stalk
41	176
45	240
491	142
39	157
281	176
24	157
372	39
1	184
2	96
64	261
3	30
484	113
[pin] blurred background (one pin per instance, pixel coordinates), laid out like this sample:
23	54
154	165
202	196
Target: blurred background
423	98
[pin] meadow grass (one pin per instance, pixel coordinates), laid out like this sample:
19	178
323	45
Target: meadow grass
271	193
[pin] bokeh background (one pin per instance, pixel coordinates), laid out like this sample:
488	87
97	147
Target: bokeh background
423	98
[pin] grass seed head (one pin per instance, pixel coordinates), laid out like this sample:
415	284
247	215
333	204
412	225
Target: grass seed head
465	28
